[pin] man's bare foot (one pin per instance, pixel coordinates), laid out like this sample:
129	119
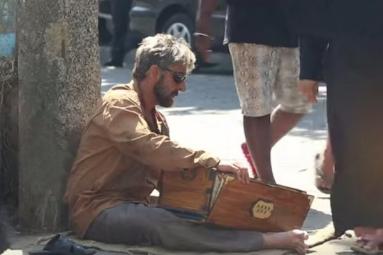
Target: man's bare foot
292	240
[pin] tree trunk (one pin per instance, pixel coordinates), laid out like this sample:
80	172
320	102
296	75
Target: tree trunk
8	133
59	86
8	106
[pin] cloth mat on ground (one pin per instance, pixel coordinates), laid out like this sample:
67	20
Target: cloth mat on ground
316	238
161	251
342	245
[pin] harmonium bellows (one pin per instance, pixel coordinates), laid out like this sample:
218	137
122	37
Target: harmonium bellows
206	196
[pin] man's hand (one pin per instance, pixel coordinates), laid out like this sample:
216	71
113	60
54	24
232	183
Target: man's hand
202	43
240	172
309	89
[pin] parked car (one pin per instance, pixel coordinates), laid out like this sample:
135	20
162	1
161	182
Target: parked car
175	17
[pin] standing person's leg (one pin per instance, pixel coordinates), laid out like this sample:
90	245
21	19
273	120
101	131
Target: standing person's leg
336	107
254	73
282	122
259	71
258	138
120	17
136	224
355	95
292	104
269	132
104	35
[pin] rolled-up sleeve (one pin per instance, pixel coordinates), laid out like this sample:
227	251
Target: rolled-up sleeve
126	127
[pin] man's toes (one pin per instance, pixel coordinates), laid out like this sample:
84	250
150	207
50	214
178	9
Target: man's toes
301	249
302	235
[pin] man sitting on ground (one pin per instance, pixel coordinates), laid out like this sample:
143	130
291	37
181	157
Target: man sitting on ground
123	151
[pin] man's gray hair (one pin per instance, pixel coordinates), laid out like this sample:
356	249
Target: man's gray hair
163	50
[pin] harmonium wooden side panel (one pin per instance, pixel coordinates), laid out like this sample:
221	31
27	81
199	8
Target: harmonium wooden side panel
202	195
258	206
188	190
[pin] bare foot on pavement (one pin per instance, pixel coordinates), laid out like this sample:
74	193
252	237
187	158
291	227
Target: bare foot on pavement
292	240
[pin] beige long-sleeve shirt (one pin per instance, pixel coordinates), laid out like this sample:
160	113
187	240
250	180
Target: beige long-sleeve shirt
120	158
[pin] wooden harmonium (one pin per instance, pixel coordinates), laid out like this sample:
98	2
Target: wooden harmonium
204	195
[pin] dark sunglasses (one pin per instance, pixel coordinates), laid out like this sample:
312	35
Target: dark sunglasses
178	77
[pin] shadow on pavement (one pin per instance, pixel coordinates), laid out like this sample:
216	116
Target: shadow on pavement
316	220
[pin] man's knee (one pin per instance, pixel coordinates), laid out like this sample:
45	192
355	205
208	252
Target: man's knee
256	120
126	223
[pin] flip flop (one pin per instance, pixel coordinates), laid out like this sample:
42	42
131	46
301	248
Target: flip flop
60	245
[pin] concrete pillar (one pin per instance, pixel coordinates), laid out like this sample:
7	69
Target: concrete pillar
59	86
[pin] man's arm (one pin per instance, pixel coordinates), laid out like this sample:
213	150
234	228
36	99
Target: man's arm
204	12
312	50
128	130
202	35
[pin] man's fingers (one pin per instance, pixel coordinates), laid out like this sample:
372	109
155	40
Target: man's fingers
240	173
243	175
309	89
237	174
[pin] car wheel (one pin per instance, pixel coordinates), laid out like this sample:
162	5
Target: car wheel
179	25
